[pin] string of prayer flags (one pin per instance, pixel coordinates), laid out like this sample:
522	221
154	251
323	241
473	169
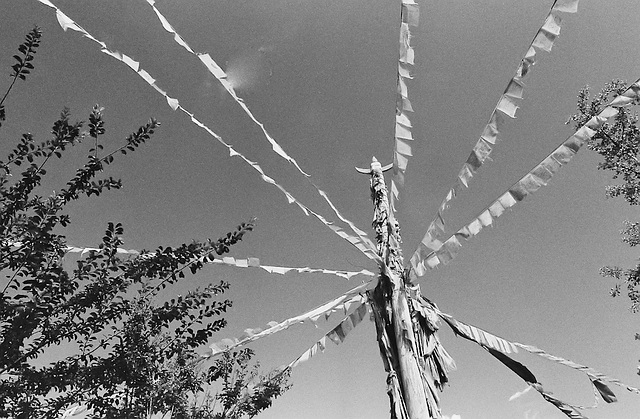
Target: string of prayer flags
255	263
221	76
73	411
67	23
507	106
604	391
167	27
230	261
343	302
569	410
569	6
361	243
251	335
337	335
596	377
85	250
478	335
432	252
409	14
81	250
425	258
360	233
527	376
499	348
518	368
628	97
319	346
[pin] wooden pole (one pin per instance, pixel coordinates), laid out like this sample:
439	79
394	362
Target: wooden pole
415	361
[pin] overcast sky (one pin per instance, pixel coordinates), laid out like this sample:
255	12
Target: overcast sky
321	76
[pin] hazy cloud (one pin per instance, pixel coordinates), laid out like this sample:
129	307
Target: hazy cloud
250	69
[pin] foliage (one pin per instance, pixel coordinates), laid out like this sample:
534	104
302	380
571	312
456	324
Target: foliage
23	65
95	334
244	391
618	143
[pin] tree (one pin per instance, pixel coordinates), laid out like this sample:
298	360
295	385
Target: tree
618	143
125	353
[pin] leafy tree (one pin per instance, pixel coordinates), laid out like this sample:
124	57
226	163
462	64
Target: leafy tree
618	143
126	355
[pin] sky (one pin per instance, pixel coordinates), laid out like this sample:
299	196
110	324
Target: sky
321	76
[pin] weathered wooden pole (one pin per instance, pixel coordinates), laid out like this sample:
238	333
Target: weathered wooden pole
415	362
